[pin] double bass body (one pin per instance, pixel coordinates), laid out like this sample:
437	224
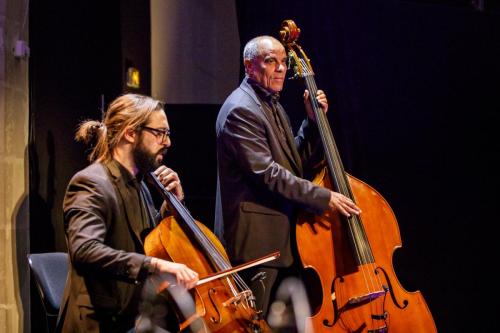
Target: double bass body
350	302
351	257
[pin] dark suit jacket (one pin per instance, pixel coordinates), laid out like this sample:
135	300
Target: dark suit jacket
260	184
103	231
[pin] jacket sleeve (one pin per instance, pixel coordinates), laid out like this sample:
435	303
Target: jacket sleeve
310	148
88	210
245	137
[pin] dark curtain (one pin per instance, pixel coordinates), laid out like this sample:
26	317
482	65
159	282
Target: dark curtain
413	89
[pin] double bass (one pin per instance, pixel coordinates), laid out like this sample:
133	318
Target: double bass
351	256
223	302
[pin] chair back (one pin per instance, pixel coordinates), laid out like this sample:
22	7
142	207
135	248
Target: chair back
50	271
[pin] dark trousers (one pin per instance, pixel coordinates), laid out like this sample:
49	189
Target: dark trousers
264	281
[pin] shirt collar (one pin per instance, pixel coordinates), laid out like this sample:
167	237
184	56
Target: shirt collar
263	93
128	178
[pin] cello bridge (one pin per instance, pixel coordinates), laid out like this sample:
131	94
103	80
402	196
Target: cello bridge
238	298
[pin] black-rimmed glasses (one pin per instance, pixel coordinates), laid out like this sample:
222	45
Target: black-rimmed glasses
160	134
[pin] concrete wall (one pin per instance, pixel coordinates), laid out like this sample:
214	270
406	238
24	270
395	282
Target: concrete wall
14	179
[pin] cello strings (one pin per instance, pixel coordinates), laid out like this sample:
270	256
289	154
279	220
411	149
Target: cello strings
218	260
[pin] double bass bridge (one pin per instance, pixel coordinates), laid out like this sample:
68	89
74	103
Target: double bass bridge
365	298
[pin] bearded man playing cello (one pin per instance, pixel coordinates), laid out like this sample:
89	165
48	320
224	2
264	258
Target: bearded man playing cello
108	211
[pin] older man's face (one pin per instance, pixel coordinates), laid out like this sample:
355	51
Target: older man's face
269	68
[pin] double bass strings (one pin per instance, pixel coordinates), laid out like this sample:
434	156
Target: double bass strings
360	242
348	296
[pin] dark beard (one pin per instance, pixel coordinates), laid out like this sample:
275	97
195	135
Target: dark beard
144	160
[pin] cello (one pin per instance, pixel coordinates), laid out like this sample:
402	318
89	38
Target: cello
351	256
223	301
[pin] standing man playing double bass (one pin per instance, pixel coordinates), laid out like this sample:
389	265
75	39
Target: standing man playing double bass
261	168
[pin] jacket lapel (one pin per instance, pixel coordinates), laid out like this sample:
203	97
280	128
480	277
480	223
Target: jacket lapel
290	139
288	145
153	214
124	191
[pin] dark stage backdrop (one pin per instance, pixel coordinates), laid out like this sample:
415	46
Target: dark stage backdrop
413	88
413	106
79	54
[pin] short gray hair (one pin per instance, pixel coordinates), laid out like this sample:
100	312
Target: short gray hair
252	48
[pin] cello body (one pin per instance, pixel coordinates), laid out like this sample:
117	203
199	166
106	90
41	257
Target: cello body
341	278
212	300
223	305
351	256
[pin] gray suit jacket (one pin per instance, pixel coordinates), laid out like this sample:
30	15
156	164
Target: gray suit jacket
260	185
104	234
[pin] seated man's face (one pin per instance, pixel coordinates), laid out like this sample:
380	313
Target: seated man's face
152	142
